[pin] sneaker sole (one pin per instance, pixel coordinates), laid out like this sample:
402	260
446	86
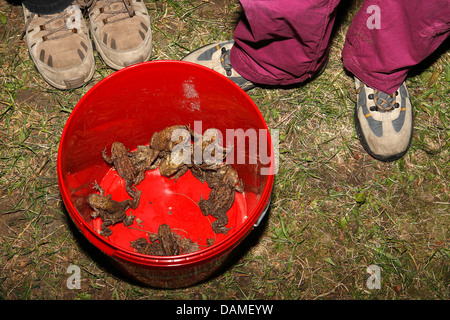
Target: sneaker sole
112	64
69	83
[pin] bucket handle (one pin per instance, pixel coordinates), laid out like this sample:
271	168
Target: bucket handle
263	214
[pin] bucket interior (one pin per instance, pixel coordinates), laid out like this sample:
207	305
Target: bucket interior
128	107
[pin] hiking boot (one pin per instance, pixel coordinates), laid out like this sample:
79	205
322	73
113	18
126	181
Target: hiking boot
60	47
121	31
384	122
216	56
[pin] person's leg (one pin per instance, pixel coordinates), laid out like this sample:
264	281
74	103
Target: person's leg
282	42
408	32
385	40
46	6
278	42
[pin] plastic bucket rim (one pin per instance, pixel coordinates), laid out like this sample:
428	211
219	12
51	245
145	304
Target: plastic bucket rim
203	254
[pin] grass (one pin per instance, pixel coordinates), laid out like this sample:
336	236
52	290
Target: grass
334	211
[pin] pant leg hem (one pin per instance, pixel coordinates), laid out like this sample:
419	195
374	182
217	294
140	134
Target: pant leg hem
242	64
388	85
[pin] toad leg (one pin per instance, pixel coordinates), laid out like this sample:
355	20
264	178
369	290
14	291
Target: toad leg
105	230
106	157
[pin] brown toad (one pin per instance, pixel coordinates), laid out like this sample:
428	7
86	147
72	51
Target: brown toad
168	240
174	164
124	166
220	200
167	244
222	173
208	144
162	141
198	172
143	159
111	211
143	246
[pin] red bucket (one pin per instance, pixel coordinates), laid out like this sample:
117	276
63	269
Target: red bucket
128	107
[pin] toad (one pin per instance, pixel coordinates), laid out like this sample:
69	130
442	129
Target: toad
198	172
141	245
168	240
174	164
209	143
143	159
167	244
111	211
124	167
220	200
162	141
216	174
231	178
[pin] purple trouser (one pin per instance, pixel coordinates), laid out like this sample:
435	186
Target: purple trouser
282	42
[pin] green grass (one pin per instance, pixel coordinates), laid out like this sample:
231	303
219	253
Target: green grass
334	211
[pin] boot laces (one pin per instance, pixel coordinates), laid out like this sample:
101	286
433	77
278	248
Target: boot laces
225	61
122	13
383	102
63	29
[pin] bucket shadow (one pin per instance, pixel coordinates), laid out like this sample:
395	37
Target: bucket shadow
93	253
430	60
104	262
242	249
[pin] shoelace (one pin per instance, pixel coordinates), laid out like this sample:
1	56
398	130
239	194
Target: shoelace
127	8
225	61
383	102
62	31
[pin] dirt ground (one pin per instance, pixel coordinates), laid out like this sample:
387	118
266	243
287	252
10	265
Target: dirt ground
335	210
